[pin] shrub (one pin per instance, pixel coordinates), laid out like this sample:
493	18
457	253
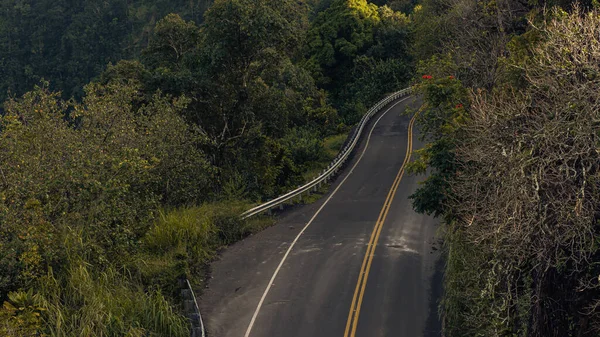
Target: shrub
527	195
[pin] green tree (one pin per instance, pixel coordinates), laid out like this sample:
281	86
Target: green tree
69	43
358	52
101	172
245	90
337	36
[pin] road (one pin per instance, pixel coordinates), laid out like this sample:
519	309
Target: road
317	290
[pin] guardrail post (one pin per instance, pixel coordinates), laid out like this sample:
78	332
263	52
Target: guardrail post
195	318
197	332
188	305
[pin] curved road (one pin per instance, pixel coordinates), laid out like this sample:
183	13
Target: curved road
335	282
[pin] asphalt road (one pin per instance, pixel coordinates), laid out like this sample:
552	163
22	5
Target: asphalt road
315	291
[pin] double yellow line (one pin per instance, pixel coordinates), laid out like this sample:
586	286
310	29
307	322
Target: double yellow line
361	285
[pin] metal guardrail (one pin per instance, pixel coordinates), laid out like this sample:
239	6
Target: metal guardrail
334	167
190	305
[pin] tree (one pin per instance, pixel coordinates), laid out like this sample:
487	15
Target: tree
101	172
358	52
69	43
255	93
339	34
175	40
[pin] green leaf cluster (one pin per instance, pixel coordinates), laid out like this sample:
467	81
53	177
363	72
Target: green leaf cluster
358	52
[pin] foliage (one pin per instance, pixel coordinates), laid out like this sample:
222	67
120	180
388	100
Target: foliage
552	232
98	169
440	119
20	316
98	192
174	40
339	34
245	91
304	147
358	52
513	173
198	231
477	48
182	241
87	302
76	40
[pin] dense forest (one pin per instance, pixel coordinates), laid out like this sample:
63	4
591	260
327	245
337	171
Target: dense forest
133	134
70	42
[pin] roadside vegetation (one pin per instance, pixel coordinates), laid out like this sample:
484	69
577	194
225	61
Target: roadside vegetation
131	139
511	118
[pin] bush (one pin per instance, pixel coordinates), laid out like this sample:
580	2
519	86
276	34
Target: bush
136	298
99	168
305	146
527	193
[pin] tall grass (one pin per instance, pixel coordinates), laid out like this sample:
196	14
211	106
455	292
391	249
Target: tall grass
85	302
333	144
197	231
137	296
190	229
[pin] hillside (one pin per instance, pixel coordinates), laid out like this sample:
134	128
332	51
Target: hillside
71	42
115	188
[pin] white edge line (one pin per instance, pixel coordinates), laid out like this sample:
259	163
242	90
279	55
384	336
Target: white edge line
262	299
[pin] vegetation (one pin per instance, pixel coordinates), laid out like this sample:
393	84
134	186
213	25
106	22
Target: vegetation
160	122
509	115
69	43
112	189
357	50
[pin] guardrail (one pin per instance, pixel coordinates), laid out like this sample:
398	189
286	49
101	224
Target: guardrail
334	167
190	306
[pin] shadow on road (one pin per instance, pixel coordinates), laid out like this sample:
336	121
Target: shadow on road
433	326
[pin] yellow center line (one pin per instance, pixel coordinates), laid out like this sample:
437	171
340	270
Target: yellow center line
361	284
